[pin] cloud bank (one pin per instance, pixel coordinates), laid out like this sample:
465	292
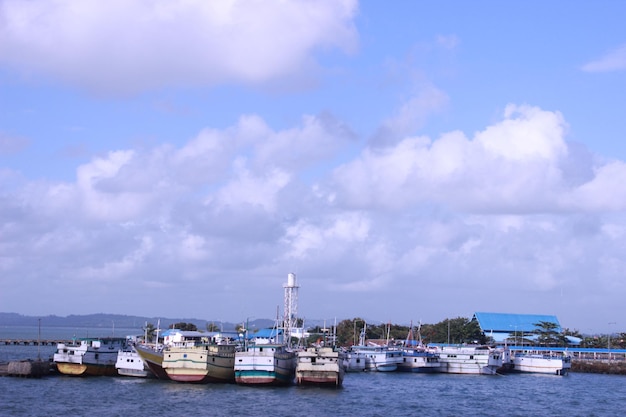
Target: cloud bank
231	211
123	46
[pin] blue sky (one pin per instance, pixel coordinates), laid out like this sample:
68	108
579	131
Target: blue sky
408	160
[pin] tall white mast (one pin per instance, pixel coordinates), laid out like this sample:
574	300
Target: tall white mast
291	305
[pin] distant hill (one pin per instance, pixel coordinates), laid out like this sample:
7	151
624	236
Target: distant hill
116	320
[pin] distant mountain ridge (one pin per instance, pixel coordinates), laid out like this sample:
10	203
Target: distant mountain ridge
117	320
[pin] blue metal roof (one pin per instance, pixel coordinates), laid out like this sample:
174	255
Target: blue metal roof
510	323
265	333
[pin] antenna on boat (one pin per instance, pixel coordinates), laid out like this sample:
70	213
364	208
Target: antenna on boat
39	340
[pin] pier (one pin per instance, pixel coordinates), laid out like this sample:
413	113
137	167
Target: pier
33	342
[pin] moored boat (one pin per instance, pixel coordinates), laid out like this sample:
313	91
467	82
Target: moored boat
382	358
379	358
416	357
419	360
129	363
320	366
265	364
541	363
89	356
470	360
354	361
200	363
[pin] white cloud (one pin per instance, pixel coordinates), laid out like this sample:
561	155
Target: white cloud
605	192
255	191
131	45
614	60
513	165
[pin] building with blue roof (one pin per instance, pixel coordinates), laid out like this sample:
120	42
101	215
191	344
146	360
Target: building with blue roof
504	327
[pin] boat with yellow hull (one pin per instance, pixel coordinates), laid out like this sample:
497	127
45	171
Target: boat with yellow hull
89	356
201	363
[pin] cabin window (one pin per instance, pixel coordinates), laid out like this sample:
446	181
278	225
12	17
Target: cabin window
96	356
471	356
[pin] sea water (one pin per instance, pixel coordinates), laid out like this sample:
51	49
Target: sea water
362	394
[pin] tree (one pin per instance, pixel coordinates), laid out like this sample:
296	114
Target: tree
184	326
348	331
150	330
548	334
212	327
458	330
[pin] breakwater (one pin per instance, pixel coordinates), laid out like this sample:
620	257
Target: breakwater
599	367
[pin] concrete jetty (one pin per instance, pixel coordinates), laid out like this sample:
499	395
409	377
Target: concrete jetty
33	342
27	368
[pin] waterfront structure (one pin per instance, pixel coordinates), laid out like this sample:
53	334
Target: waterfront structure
89	356
517	329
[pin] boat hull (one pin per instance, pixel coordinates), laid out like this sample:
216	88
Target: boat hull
258	377
81	369
320	378
137	373
418	366
541	365
154	360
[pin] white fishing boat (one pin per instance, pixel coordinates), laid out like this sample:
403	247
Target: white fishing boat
89	356
541	363
379	358
354	361
419	360
416	357
382	358
320	366
129	363
470	360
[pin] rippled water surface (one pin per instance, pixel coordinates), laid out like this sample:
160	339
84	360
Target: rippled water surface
363	394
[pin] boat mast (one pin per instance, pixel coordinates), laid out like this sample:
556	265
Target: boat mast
39	341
